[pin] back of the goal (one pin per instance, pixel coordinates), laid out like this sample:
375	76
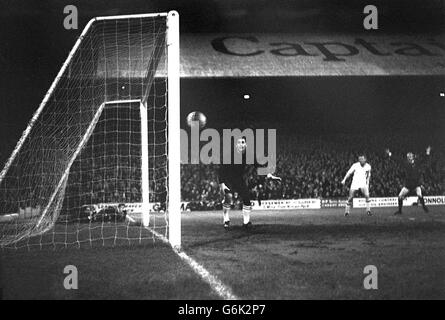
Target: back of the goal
94	165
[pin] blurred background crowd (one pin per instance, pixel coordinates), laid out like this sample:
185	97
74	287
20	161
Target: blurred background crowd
313	167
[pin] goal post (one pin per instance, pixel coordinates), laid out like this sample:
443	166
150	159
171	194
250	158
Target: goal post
100	158
174	147
145	176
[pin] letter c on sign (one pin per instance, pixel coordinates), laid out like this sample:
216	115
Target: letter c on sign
219	45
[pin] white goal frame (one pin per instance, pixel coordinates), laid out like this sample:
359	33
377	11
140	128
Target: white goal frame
174	129
173	122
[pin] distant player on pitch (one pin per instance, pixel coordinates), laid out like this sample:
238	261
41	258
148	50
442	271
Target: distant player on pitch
361	172
413	178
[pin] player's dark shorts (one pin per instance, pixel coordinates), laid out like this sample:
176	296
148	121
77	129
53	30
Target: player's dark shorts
238	185
412	185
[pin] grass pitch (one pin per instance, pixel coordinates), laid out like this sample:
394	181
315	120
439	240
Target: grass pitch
302	254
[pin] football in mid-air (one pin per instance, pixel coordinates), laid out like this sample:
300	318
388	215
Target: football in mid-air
195	118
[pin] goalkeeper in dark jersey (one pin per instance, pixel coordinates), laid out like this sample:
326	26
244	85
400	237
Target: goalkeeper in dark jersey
413	179
232	179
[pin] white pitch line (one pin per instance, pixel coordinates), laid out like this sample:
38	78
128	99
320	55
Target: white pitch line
215	284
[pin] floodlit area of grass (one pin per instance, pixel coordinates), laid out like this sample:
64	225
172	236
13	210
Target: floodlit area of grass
151	271
303	254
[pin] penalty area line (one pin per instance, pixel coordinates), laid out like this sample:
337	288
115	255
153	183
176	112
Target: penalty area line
215	284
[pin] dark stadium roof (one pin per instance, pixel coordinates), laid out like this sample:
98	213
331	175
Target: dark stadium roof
269	16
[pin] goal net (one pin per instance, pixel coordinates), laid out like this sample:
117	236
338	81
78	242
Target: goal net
98	163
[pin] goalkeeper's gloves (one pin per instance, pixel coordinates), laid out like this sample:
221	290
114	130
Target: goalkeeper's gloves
224	188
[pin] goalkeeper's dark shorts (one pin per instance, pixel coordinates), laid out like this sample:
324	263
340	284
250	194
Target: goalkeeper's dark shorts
412	185
238	185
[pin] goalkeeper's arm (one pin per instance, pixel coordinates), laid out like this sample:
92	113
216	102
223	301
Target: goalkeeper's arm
223	178
271	176
223	188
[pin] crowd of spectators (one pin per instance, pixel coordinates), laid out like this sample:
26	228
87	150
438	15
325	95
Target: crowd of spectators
313	167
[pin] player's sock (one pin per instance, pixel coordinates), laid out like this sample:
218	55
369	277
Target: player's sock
368	205
400	204
347	208
422	202
226	210
246	214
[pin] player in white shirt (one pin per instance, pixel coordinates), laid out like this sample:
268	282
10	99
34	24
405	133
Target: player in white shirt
361	172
